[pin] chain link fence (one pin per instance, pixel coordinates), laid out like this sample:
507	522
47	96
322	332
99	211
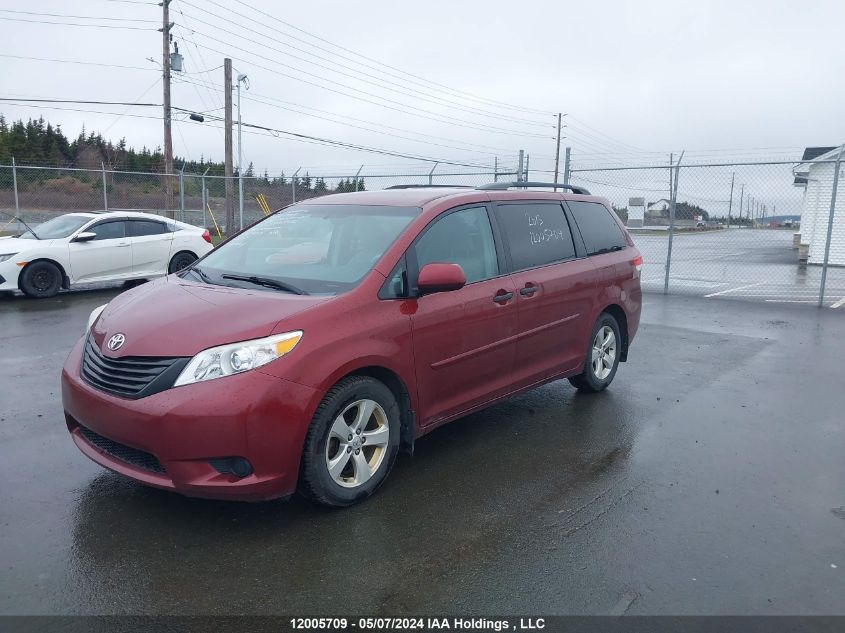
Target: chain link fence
765	231
36	194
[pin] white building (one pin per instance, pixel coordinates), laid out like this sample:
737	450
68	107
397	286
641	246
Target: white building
817	180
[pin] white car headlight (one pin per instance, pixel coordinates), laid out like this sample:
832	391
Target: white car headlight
7	256
95	314
236	358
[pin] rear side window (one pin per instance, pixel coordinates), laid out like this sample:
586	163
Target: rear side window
109	230
464	238
537	234
141	228
600	231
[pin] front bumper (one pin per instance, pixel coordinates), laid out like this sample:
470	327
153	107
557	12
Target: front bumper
9	273
253	415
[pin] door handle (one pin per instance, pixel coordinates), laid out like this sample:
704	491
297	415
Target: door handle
123	245
528	290
503	297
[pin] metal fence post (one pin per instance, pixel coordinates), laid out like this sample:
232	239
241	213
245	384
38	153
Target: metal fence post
15	187
182	192
674	197
293	183
358	173
567	167
105	190
204	200
431	173
830	224
495	169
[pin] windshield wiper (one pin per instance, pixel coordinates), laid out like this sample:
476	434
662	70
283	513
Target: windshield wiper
267	283
612	249
198	271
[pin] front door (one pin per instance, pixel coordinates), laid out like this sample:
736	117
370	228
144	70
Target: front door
107	256
463	340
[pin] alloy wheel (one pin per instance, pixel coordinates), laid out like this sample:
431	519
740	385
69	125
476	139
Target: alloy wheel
603	352
357	443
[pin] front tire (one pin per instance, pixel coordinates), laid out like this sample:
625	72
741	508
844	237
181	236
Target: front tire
602	356
41	280
352	442
180	261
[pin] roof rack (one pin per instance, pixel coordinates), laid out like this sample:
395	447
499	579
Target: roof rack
429	187
500	186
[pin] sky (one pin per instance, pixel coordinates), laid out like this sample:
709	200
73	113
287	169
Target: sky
468	82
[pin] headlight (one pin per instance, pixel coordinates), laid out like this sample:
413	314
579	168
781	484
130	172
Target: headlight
237	358
95	314
3	258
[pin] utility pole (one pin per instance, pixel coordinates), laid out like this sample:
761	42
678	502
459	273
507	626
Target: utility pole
519	168
741	196
731	203
527	160
557	148
241	79
166	25
227	151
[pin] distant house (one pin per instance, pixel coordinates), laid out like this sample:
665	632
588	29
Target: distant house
817	180
660	208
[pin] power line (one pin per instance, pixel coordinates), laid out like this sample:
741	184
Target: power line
403	74
258	129
84	102
374	80
378	99
325	141
617	141
97	26
272	102
75	17
76	61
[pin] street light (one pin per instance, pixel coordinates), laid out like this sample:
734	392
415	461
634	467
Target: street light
245	80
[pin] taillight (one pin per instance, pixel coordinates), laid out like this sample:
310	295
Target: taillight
207	237
637	263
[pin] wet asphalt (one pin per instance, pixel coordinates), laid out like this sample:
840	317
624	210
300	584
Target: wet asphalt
709	479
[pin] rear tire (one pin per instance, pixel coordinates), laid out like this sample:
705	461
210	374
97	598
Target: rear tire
180	261
603	354
41	279
352	442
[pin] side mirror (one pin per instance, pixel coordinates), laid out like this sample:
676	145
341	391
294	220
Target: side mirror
85	236
440	278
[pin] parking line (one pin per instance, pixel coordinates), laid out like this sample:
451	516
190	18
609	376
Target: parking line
722	292
839	303
790	301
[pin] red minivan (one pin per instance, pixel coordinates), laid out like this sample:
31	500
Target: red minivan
303	353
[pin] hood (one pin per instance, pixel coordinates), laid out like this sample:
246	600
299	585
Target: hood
174	317
17	245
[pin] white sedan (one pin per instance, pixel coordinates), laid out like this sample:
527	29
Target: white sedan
94	247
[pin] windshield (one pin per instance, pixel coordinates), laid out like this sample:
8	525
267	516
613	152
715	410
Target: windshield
57	228
316	249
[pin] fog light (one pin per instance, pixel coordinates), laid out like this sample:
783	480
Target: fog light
237	466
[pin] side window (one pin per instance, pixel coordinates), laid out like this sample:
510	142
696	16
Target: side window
109	230
396	286
463	237
537	234
141	228
600	231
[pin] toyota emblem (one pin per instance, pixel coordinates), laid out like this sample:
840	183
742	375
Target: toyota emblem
116	342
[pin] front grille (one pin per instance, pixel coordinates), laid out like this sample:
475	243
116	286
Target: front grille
127	454
132	376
